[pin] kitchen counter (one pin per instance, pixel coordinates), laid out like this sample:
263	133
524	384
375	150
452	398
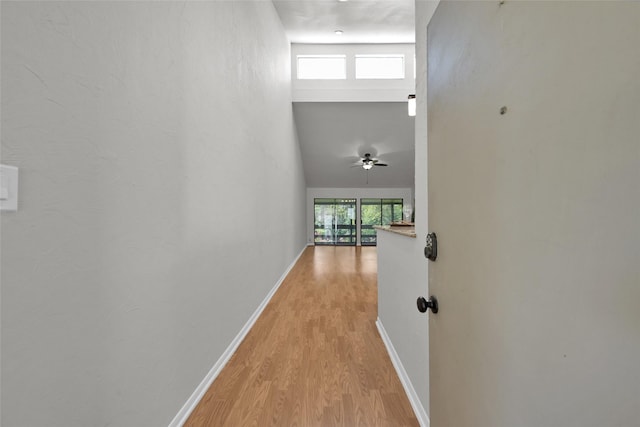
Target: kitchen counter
403	230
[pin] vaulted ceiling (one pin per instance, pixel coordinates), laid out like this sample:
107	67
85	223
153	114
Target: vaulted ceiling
334	135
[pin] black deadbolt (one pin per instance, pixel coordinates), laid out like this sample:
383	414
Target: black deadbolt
431	249
424	305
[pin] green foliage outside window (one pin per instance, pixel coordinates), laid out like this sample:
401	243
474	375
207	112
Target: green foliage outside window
377	212
335	219
335	222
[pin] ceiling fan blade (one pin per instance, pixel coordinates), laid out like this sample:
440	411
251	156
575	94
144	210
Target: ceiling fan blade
380	164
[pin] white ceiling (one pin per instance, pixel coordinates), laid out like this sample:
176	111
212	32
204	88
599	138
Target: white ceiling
334	135
363	21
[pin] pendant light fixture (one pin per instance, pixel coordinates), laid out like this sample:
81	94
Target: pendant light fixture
411	105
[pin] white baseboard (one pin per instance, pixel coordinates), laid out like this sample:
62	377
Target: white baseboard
418	409
194	399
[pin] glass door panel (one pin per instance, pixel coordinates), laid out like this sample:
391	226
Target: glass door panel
323	222
370	215
345	230
377	212
335	222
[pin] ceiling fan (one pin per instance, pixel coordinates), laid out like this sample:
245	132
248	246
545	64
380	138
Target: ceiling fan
367	162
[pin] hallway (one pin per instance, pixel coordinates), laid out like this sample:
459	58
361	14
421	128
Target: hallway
314	357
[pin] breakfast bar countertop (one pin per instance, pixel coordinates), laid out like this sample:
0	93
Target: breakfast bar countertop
408	230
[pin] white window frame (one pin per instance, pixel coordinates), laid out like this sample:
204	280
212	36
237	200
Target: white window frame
319	77
352	89
400	56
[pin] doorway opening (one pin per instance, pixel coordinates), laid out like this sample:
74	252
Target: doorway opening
335	222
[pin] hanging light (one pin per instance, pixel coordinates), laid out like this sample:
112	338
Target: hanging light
411	104
367	164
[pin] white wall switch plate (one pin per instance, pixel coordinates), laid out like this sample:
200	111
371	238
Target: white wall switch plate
8	188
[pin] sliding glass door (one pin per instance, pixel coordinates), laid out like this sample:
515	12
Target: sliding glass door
335	222
377	212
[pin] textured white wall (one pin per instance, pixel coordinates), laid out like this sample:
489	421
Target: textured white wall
162	196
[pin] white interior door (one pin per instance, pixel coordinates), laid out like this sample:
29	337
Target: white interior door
537	211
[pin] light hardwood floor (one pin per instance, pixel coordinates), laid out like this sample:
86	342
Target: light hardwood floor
314	357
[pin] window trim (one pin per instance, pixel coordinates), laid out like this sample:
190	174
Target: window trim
400	56
343	76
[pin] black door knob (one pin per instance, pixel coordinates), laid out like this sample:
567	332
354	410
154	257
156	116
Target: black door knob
424	305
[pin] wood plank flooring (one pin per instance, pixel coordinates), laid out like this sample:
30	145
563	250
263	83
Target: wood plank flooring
314	357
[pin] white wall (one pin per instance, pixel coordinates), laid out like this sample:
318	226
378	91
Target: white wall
353	193
152	140
401	279
407	328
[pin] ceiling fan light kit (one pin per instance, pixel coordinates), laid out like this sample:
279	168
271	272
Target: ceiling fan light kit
368	163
